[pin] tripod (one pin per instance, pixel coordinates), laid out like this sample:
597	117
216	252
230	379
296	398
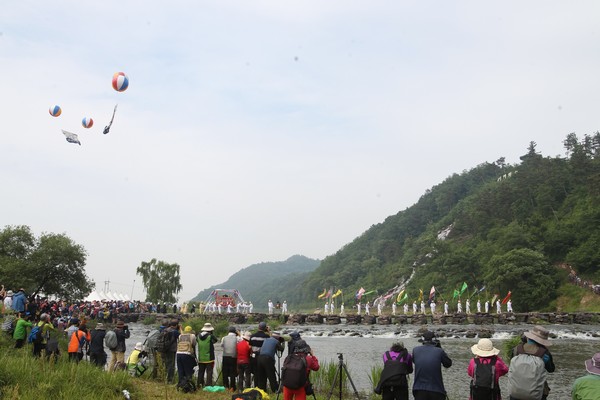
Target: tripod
339	373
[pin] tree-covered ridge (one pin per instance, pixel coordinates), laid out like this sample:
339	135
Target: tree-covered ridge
508	225
268	280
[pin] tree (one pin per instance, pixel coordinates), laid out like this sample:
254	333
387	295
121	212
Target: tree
527	274
161	280
52	264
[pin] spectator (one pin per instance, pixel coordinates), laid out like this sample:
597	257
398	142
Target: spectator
588	387
206	355
428	360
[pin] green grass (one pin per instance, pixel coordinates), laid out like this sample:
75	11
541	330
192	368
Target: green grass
572	298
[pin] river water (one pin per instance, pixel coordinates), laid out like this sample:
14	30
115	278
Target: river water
362	348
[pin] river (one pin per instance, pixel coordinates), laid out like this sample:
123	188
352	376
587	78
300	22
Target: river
362	347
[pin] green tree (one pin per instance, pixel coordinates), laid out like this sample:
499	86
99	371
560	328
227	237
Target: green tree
52	264
527	274
161	280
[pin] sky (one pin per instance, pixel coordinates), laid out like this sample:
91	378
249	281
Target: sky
252	131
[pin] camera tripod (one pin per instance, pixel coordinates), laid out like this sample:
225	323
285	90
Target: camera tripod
338	374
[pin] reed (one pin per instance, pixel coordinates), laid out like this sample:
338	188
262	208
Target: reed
374	376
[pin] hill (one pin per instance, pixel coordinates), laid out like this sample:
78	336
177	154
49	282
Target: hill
484	232
498	226
267	280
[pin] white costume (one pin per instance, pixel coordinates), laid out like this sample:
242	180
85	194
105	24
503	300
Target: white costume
446	308
379	308
270	305
459	307
358	308
432	306
478	306
284	307
423	307
393	308
498	307
405	307
487	306
326	308
367	308
509	306
414	307
468	306
342	309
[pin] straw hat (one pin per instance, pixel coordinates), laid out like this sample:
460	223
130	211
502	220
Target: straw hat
139	346
538	334
593	366
484	348
247	335
207	327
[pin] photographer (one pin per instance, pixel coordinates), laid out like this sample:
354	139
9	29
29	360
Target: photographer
118	353
429	359
265	364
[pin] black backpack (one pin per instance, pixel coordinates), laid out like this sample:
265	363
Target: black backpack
186	385
483	385
293	372
163	341
396	369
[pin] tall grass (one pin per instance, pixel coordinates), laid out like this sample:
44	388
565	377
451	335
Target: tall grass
26	377
323	379
374	376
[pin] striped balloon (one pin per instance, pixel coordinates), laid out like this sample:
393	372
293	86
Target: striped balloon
87	122
55	111
120	82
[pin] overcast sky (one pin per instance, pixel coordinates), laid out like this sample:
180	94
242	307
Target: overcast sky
255	130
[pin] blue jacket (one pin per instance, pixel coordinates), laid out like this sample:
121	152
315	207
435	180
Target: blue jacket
428	360
19	301
270	347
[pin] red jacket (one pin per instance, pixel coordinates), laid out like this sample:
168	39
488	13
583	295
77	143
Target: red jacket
244	351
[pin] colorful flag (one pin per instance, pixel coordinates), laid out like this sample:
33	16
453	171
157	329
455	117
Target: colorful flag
403	298
494	298
420	294
399	298
322	294
431	292
336	294
463	288
505	300
360	293
329	293
482	289
369	292
456	293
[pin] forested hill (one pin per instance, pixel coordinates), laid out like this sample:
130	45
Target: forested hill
499	226
267	280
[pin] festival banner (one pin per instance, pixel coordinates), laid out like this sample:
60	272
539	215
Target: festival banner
505	300
360	293
403	298
431	292
329	293
399	298
463	288
456	294
336	294
322	294
420	294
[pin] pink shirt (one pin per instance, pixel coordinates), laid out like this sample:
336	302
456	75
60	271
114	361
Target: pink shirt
501	368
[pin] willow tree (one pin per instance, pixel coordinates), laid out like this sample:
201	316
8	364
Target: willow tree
161	280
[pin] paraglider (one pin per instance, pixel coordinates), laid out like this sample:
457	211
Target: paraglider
71	137
120	82
87	122
107	128
55	111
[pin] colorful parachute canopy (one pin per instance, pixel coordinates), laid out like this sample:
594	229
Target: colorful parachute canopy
87	122
55	111
120	82
71	137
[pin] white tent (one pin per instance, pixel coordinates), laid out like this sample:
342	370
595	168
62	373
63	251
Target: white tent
93	296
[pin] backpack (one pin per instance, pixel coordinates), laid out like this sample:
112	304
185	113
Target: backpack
293	372
184	345
186	385
150	342
526	376
483	385
110	340
35	336
8	325
163	342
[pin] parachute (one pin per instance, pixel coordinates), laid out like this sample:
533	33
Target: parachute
71	137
